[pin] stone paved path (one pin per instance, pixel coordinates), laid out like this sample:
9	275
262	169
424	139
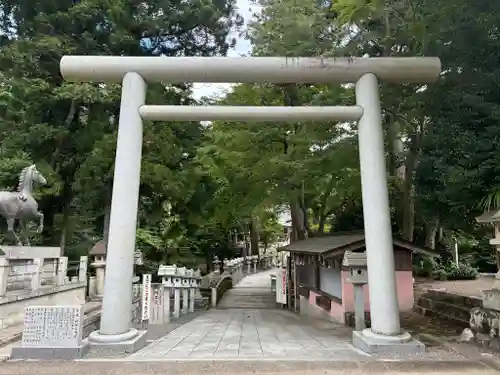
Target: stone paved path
252	292
248	328
249	334
247	325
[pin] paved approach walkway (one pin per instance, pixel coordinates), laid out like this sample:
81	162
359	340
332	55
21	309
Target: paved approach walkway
252	292
249	327
248	334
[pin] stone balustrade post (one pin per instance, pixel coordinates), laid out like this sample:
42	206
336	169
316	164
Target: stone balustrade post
177	281
192	290
213	297
4	276
255	259
92	287
216	264
82	271
100	274
37	267
239	271
62	270
167	273
249	265
186	281
167	287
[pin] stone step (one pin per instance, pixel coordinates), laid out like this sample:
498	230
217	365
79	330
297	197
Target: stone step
441	316
454	299
449	309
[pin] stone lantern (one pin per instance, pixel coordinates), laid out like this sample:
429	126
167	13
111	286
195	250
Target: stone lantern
98	256
491	297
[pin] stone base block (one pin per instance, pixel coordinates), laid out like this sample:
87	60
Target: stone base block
372	343
49	353
118	347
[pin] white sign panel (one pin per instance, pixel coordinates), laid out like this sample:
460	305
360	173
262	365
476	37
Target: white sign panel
53	326
281	286
146	296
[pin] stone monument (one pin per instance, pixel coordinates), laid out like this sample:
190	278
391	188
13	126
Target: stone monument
52	332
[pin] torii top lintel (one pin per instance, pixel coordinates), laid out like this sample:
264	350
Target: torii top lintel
112	69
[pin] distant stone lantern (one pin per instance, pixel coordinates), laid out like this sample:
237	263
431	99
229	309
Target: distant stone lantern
98	255
491	297
493	217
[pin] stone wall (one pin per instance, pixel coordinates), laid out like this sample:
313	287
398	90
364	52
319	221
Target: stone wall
452	308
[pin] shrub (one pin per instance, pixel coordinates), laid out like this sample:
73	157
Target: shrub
425	266
462	271
429	267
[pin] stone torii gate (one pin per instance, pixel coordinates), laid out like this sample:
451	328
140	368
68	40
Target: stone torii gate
135	72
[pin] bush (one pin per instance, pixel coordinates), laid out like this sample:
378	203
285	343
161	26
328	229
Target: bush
428	267
461	271
424	266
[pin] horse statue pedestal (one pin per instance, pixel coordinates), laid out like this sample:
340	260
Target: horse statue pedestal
30	252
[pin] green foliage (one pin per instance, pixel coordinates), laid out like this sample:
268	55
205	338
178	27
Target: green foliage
69	129
200	185
429	267
462	271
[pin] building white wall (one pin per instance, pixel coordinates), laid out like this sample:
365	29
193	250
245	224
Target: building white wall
330	281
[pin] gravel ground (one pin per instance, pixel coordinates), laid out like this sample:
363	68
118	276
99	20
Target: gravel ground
242	368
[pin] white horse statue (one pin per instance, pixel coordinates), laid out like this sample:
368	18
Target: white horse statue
21	205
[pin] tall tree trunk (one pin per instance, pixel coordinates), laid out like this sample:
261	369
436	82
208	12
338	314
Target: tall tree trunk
254	237
322	214
431	229
408	224
107	215
394	144
298	226
105	230
297	204
322	222
64	231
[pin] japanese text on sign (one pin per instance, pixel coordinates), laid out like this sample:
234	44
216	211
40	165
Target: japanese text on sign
146	296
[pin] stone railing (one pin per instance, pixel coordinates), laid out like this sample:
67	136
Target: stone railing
39	282
233	271
34	274
175	296
218	289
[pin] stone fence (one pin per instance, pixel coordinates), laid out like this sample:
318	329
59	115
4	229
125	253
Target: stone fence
17	275
233	270
39	281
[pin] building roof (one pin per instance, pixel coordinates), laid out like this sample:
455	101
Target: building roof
98	249
337	244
